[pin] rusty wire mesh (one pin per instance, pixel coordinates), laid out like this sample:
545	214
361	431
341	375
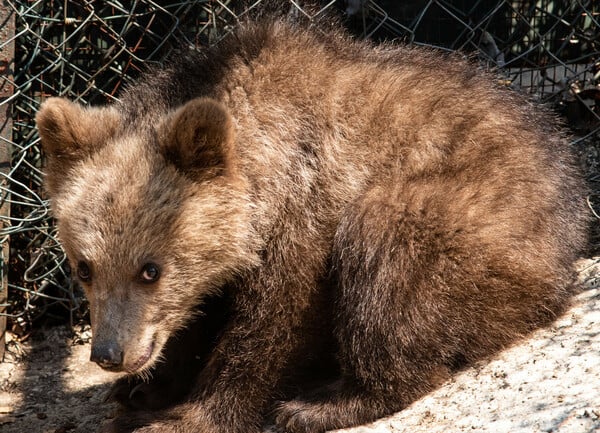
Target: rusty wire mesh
89	50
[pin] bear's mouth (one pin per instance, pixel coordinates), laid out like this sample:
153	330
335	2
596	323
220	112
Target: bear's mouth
142	360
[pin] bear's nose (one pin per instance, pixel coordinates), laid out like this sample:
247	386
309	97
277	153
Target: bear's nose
107	354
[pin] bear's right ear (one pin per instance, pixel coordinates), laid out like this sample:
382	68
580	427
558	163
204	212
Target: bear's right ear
70	132
198	139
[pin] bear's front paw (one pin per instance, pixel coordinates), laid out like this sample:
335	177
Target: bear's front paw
161	427
157	427
135	394
298	416
120	391
187	418
131	421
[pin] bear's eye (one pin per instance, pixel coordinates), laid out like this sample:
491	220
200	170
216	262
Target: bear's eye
150	273
83	271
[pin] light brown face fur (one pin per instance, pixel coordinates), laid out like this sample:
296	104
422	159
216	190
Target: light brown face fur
144	208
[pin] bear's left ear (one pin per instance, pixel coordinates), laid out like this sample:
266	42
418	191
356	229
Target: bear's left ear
198	138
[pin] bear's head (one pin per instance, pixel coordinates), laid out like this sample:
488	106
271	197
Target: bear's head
153	216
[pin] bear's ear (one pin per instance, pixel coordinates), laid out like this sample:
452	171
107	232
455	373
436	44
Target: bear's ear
70	132
198	138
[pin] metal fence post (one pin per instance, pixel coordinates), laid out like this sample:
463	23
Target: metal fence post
7	33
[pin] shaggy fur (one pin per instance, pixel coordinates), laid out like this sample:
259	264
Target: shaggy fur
337	227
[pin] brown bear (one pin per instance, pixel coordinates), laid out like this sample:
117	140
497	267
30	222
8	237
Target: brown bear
298	228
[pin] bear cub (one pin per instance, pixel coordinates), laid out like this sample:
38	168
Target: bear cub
300	229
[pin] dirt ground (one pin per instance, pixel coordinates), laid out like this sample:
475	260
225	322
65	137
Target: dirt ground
48	385
550	382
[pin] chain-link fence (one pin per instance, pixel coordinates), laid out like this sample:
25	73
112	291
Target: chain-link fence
88	50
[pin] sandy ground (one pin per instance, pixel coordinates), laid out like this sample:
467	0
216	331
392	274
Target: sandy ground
548	383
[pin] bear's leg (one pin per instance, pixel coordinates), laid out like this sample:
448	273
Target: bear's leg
270	329
184	356
421	291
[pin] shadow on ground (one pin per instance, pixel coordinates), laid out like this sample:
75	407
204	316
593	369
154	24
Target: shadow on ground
53	388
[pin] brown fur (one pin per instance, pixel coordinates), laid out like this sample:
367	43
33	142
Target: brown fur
385	211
